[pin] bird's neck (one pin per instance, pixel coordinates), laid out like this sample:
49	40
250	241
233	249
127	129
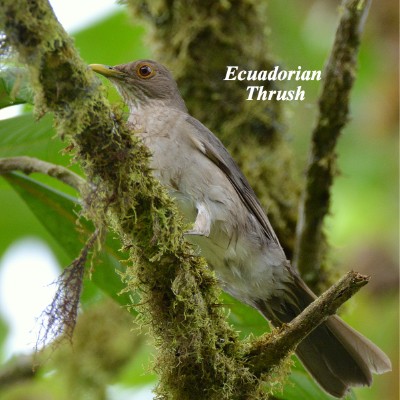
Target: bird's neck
141	115
135	119
138	113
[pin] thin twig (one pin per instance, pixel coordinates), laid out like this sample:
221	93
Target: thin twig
28	165
18	369
333	115
269	350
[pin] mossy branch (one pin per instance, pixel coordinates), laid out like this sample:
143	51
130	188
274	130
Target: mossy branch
339	76
16	370
180	297
269	350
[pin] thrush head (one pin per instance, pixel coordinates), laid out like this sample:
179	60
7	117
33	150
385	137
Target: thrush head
142	83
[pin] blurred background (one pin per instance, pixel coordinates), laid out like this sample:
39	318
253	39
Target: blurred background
108	359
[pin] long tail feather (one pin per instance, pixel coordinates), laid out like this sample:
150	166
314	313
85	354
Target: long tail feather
336	355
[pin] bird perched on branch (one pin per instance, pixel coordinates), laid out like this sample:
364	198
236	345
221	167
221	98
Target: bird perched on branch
230	226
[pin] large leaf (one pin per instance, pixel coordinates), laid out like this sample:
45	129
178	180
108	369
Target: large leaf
301	386
114	40
14	87
27	136
58	214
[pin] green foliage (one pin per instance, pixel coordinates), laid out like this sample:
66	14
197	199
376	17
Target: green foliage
14	88
58	212
301	387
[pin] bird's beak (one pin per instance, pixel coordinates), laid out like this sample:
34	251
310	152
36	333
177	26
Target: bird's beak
107	71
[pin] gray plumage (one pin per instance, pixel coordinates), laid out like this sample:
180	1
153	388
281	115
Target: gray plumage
230	227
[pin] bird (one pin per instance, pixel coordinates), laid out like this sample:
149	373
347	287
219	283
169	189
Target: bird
230	227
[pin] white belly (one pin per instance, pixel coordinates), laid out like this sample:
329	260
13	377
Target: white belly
246	265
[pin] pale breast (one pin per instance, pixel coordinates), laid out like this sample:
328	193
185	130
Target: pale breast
236	247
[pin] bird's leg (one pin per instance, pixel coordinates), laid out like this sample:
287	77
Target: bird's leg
202	225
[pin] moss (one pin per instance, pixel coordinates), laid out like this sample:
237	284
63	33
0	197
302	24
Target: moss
199	355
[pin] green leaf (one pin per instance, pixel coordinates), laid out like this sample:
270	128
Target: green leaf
26	136
301	386
138	371
58	214
114	40
14	87
245	319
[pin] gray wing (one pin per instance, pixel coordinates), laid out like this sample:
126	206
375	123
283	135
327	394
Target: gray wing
216	152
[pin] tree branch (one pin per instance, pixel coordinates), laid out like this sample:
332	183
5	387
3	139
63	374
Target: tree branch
16	370
28	165
180	296
269	350
333	115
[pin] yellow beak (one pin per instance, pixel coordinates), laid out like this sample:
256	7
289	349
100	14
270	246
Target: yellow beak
105	70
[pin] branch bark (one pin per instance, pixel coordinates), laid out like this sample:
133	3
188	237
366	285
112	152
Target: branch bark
269	350
339	76
28	165
16	370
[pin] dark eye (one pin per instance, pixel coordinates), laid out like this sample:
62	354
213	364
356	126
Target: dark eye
145	71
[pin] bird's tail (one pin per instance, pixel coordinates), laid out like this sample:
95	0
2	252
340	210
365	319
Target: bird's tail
336	355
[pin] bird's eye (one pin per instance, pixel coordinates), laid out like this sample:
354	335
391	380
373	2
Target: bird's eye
145	71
